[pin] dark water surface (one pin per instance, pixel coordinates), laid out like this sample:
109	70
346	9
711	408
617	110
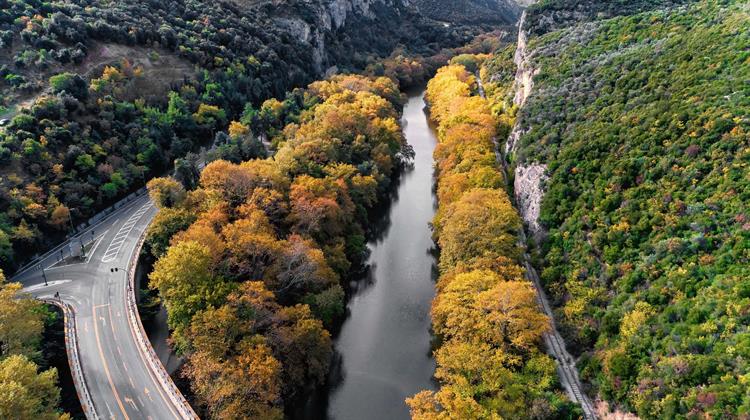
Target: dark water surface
383	347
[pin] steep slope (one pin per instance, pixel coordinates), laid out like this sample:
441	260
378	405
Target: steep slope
494	12
144	83
551	15
639	124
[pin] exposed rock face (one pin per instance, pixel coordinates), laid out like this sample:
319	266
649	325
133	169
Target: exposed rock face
525	73
529	189
320	23
523	84
529	177
502	12
328	15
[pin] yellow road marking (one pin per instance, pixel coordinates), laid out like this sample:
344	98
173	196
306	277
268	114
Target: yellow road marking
106	368
151	374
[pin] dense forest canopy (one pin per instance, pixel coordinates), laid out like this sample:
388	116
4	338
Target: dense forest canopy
638	117
27	391
642	121
485	315
483	12
117	91
251	263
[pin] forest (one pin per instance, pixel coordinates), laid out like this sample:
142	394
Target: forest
96	131
643	123
27	388
639	113
485	316
251	262
551	15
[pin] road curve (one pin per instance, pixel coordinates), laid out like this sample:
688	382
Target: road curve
118	367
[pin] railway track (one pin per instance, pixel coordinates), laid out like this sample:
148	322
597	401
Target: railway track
566	367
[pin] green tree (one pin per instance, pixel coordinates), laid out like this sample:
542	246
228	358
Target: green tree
186	281
71	83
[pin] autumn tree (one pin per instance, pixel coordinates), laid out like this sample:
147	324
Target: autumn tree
186	280
246	384
60	216
303	345
21	321
462	238
236	183
478	307
204	233
253	245
166	192
238	129
320	207
485	312
26	393
166	223
281	228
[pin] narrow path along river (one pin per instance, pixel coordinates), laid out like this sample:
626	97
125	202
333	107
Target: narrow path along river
384	344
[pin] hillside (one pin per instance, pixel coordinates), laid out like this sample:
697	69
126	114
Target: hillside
550	15
118	91
636	132
492	12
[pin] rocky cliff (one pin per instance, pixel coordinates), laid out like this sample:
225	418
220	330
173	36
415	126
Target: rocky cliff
493	12
340	31
529	177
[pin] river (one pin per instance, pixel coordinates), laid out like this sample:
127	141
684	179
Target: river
383	353
383	348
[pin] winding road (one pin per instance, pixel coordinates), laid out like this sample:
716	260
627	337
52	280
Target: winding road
116	372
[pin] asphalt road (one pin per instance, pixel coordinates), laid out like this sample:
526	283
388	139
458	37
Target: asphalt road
117	373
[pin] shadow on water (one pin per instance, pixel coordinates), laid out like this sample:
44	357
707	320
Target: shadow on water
383	348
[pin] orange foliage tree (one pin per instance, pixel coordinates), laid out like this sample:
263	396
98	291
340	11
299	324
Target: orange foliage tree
252	273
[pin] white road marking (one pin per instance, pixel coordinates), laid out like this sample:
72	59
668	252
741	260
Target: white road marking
42	286
96	245
112	416
97	241
114	246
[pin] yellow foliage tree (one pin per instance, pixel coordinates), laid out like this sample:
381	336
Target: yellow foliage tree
482	223
21	321
25	393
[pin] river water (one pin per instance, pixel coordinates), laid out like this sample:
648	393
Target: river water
383	348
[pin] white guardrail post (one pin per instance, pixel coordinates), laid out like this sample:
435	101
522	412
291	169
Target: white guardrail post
71	348
179	401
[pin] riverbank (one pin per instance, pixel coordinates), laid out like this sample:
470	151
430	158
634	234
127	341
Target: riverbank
383	348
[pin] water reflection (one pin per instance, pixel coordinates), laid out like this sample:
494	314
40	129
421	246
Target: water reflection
383	349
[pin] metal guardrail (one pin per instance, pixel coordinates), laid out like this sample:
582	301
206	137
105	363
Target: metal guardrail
178	400
93	222
71	348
